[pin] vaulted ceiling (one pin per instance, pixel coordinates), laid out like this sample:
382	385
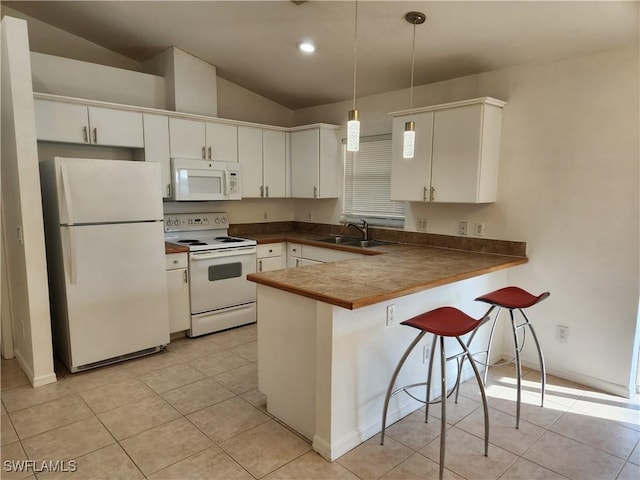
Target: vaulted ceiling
253	43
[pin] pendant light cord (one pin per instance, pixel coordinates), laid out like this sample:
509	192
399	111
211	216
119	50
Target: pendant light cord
413	57
355	55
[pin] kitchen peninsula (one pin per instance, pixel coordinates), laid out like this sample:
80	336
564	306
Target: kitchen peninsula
329	334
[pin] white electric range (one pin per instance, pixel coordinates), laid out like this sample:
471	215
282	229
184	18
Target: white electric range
220	295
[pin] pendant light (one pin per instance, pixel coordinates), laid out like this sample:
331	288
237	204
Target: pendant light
353	123
409	139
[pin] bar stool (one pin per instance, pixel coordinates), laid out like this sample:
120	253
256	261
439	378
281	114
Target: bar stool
515	298
441	322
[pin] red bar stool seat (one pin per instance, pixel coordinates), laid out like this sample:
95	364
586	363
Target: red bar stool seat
441	322
515	298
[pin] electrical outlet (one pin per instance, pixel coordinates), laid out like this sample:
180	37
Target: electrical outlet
310	216
562	333
265	216
463	226
422	225
391	314
426	353
479	229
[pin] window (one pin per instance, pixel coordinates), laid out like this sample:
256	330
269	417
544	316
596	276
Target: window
367	184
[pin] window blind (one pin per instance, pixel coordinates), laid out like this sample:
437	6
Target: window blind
367	183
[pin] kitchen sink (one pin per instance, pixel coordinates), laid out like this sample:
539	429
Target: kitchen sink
340	240
353	242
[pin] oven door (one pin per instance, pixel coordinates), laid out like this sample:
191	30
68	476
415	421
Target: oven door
218	278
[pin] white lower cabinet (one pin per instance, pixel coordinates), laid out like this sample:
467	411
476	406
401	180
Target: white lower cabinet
301	255
270	256
178	290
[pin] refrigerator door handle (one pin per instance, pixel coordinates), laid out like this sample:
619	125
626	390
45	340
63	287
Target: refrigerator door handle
73	275
66	191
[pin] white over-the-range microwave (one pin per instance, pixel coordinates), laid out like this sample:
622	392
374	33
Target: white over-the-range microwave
205	180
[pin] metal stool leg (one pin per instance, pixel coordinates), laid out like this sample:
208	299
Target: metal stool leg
482	393
518	367
429	376
393	382
543	370
443	406
487	360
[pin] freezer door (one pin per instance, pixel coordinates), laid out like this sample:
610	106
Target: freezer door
105	191
116	288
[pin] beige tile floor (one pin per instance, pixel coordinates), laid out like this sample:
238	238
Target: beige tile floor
194	412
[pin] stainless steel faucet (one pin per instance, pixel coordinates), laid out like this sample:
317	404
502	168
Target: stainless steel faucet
364	228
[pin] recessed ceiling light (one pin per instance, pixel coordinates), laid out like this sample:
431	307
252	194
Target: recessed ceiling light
306	47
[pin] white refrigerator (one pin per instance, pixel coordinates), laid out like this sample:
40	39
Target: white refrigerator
105	257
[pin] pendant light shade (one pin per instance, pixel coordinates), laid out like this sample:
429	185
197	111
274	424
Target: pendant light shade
353	123
409	139
353	131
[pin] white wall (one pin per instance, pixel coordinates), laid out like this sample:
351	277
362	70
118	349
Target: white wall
22	229
569	187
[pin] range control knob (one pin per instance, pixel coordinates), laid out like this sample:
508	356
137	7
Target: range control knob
224	219
217	219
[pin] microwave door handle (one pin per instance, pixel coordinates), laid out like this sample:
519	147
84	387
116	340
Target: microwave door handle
226	183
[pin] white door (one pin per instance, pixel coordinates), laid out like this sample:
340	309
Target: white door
411	177
156	149
222	142
274	158
61	122
116	289
250	158
187	138
178	289
305	168
120	128
99	191
456	154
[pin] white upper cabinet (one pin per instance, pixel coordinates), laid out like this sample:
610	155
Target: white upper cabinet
456	156
187	138
315	156
411	177
262	155
206	140
58	121
250	157
156	138
222	142
274	163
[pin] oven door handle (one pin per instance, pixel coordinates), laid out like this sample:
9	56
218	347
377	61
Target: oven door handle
218	254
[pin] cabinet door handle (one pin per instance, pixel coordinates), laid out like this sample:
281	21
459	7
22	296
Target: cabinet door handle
259	265
315	192
266	189
262	190
424	194
169	190
297	262
85	134
204	153
209	153
186	277
95	135
432	196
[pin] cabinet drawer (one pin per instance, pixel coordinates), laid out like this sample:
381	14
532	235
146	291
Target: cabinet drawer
294	249
269	250
176	260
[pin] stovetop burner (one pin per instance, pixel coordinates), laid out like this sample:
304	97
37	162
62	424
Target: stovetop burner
228	239
189	241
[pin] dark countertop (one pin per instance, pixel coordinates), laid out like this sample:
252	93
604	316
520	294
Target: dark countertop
386	272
